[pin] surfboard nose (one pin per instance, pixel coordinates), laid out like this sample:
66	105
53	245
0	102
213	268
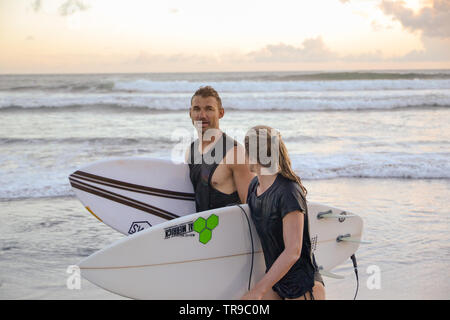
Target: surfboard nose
72	177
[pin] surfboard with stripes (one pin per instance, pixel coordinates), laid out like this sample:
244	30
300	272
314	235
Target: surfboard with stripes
132	194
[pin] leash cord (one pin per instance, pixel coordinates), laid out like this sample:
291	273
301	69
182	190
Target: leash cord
355	266
253	249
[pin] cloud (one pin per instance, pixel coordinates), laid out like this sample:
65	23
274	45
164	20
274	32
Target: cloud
432	21
376	26
311	50
36	5
145	58
70	7
435	50
67	7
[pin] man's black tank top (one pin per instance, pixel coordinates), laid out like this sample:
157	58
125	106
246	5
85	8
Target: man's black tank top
202	167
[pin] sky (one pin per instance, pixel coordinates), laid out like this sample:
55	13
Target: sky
108	36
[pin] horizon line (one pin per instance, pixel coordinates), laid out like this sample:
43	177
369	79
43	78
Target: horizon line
206	72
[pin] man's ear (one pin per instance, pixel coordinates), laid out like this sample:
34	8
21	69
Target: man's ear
221	113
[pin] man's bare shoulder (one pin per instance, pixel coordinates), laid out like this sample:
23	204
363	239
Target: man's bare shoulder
235	156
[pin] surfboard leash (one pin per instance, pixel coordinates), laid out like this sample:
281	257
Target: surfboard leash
355	266
253	249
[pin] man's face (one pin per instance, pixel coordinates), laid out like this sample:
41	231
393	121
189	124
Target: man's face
206	112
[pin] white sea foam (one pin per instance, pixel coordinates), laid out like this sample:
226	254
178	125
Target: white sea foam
270	100
242	91
31	180
374	165
142	85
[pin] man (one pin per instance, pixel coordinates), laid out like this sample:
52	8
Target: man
216	161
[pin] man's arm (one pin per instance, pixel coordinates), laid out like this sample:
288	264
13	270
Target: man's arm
241	173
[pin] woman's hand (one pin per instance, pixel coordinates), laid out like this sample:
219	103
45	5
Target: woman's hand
253	294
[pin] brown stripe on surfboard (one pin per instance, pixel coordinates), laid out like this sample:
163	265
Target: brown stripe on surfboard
123	197
130	186
122	200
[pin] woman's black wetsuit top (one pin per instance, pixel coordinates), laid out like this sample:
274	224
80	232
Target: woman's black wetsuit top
267	212
202	167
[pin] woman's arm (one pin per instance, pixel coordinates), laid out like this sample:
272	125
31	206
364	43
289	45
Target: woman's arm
293	238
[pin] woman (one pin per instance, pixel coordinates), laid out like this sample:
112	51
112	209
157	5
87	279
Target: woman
276	197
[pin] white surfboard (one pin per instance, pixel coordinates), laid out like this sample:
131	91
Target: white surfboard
206	255
132	194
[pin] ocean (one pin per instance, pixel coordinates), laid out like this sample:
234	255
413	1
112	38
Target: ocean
374	143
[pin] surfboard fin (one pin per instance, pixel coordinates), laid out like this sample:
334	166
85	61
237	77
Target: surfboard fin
330	274
348	238
329	214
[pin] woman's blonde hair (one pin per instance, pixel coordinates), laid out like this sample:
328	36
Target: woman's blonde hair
282	162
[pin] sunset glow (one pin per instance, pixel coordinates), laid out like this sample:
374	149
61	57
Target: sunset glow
72	36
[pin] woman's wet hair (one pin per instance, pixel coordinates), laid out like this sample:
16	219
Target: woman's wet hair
264	146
